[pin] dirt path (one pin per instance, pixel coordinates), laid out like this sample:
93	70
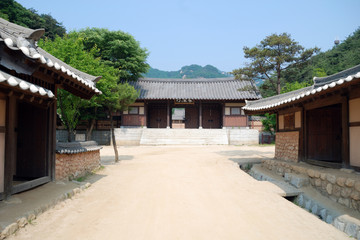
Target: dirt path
179	193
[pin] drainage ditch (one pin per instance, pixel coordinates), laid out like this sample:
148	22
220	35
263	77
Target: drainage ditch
305	199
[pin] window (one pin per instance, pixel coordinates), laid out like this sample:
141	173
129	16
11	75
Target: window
133	110
235	111
289	121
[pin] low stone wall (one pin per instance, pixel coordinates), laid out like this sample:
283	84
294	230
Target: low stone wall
340	185
70	166
287	146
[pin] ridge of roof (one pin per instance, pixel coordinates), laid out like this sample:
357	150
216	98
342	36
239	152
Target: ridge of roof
18	38
321	81
191	80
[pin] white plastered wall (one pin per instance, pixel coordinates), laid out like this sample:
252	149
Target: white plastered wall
354	132
281	122
298	119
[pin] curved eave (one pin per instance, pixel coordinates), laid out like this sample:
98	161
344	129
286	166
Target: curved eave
21	85
308	94
52	62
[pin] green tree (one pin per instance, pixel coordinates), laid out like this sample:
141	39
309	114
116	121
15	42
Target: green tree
269	123
271	57
16	13
119	50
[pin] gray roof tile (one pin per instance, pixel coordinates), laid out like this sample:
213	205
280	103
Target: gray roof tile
18	38
197	89
320	84
15	82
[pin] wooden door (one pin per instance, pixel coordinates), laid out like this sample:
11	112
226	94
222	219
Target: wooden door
211	116
324	134
191	117
31	142
157	117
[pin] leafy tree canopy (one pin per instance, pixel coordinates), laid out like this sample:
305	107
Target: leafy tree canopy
119	50
271	57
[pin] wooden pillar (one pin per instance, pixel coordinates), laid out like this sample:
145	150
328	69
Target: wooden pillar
345	131
10	146
200	114
168	115
223	115
52	135
145	114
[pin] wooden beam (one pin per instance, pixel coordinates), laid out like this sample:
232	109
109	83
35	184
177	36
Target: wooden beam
200	114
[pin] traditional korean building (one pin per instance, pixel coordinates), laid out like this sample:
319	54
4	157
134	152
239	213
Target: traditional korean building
320	124
29	79
207	103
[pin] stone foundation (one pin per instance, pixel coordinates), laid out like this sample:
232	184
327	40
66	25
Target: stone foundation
287	146
70	166
339	185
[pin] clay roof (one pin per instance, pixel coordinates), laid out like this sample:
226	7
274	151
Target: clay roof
76	147
25	86
21	39
320	85
197	89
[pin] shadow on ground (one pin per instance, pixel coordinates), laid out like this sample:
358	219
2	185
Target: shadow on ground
244	153
110	160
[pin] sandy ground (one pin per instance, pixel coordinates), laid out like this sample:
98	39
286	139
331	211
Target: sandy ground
178	193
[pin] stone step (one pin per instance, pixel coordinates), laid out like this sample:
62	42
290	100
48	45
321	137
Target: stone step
184	137
284	189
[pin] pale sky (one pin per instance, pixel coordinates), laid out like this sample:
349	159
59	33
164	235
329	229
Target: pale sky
178	33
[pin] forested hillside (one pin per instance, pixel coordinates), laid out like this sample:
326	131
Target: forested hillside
340	57
16	13
192	71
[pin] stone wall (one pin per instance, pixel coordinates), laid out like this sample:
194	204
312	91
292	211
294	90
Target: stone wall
287	146
70	166
339	185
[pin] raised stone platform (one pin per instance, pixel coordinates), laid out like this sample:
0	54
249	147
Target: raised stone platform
152	136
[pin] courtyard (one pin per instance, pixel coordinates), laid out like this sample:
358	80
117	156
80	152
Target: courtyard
178	192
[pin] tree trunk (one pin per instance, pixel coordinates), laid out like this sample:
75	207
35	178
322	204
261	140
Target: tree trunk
90	129
69	134
113	138
278	90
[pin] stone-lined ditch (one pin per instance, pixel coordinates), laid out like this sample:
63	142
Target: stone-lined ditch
307	199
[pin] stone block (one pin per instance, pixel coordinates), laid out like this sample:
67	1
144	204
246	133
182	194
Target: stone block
310	172
355	195
344	201
323	176
314	209
10	229
287	177
341	181
345	192
331	178
336	190
22	222
357	186
323	214
317	182
329	219
350	182
329	188
308	205
300	200
339	224
351	229
298	181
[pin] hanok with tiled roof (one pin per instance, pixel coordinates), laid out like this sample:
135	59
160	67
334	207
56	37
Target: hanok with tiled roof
208	103
319	124
29	79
